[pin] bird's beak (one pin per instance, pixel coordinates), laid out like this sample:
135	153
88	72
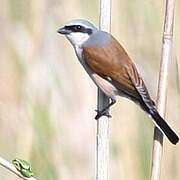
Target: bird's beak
63	30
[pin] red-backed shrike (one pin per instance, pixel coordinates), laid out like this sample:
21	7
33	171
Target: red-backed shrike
111	69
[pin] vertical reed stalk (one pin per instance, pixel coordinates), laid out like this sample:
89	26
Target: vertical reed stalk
162	87
102	159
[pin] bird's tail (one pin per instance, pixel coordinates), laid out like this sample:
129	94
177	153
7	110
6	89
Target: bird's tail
164	127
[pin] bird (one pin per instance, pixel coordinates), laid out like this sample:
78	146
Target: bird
112	70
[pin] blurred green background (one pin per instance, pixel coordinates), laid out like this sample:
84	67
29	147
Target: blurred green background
47	101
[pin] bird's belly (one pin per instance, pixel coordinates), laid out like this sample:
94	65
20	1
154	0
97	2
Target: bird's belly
105	85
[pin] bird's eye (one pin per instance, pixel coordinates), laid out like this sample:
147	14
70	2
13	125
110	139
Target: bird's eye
77	28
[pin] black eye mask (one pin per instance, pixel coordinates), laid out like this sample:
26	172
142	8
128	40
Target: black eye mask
78	28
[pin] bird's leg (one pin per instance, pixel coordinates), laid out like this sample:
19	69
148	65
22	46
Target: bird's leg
105	112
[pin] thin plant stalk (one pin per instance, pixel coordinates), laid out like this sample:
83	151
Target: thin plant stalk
102	156
162	87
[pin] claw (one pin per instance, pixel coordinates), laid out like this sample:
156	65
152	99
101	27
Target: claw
105	112
102	113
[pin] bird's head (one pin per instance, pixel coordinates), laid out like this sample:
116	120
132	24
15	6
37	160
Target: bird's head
78	31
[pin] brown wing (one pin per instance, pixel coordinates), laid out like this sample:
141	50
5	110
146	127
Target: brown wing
113	61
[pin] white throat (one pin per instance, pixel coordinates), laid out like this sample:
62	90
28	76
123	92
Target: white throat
77	38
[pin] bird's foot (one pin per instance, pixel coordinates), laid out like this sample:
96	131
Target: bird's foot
102	113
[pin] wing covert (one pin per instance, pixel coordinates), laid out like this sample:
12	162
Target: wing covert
111	60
